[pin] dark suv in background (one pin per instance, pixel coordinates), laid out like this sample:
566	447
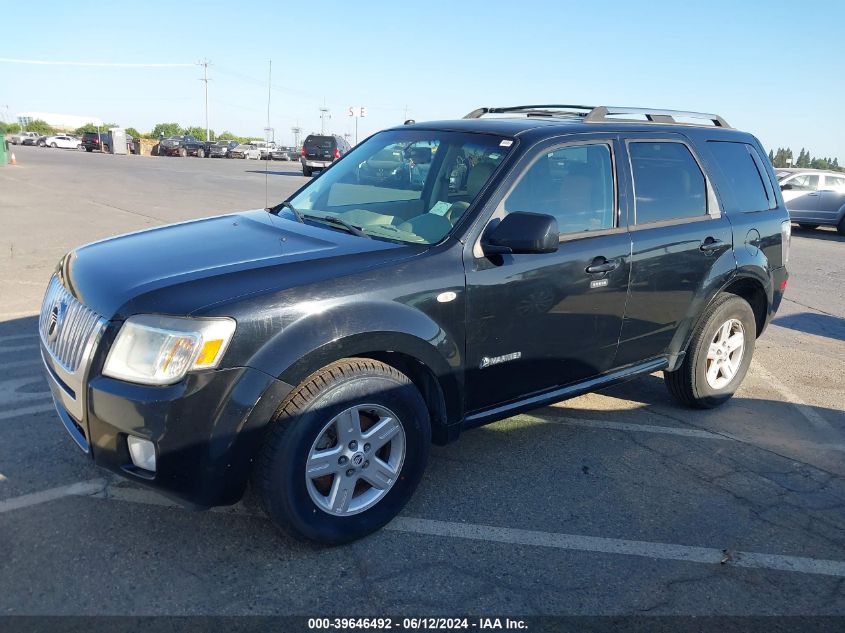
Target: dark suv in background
100	141
319	151
320	346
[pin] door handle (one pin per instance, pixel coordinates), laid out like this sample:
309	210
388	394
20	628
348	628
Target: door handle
602	265
710	244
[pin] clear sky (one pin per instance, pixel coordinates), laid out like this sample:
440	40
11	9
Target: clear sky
775	68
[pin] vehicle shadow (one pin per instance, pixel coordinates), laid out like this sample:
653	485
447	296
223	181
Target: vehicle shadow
827	233
273	172
826	325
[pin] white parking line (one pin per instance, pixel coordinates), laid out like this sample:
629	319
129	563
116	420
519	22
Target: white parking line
17	337
22	411
10	390
662	551
51	494
99	489
809	413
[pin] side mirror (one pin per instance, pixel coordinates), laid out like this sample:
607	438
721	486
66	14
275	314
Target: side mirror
523	233
787	187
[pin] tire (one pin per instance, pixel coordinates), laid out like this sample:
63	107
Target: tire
200	153
689	384
306	419
808	227
840	228
307	171
89	149
53	145
183	152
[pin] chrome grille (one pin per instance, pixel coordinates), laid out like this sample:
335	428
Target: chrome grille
66	326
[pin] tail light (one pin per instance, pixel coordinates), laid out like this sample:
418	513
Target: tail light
336	153
302	151
785	241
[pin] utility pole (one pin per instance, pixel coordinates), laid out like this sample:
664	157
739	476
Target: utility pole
296	132
405	118
204	63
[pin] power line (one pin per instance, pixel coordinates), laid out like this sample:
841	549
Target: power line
39	62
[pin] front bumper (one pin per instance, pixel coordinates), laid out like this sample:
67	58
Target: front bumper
207	429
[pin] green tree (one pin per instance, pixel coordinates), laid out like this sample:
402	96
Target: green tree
91	127
131	131
198	132
40	127
9	128
771	156
228	136
166	129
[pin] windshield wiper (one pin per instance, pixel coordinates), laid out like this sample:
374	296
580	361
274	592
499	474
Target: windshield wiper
330	219
293	209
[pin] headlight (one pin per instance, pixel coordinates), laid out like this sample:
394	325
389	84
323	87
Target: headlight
160	350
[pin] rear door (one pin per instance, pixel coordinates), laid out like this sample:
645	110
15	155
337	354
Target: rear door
539	321
832	199
680	242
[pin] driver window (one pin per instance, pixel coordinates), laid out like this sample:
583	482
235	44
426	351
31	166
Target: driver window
804	182
574	184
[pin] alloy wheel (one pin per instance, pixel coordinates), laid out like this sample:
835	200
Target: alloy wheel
725	353
355	460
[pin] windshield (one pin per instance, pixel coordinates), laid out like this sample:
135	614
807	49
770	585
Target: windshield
406	185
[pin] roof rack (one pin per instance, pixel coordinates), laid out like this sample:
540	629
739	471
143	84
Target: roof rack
604	114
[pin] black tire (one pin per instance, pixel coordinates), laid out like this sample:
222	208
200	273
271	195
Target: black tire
840	228
808	227
307	171
279	476
200	153
688	383
89	149
183	152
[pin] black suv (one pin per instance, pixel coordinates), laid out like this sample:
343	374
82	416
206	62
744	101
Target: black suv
320	150
319	347
100	141
181	146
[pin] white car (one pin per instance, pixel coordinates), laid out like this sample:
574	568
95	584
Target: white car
245	150
63	141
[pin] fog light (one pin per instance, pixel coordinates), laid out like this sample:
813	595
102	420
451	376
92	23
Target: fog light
142	452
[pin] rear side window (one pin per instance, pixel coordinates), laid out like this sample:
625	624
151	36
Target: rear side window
834	183
668	184
749	187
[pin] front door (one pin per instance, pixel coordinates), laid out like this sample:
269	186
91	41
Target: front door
832	199
801	195
539	321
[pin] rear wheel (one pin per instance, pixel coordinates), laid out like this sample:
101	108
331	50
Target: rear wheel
307	171
200	153
183	152
89	149
718	356
53	145
345	452
808	227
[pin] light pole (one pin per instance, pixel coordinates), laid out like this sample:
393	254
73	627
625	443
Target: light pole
324	114
296	132
204	63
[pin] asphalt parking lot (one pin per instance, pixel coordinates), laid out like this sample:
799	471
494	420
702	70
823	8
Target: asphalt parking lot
616	503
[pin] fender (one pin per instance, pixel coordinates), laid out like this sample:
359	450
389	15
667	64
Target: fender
361	328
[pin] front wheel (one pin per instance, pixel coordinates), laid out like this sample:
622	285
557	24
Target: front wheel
200	153
183	152
718	356
53	145
345	453
307	171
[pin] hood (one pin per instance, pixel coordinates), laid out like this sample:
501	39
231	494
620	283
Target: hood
182	268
